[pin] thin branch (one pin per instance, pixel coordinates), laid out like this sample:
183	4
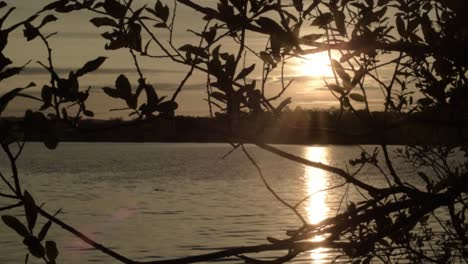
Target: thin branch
267	185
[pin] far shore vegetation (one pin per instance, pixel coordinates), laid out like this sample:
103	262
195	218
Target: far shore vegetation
298	126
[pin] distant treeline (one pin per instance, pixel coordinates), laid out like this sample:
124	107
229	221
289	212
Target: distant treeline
289	127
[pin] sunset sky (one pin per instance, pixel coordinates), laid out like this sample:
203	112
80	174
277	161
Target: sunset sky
79	41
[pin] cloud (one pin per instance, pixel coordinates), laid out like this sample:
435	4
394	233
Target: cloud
64	71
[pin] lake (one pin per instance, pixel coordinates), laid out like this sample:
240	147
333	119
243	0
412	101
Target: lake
163	200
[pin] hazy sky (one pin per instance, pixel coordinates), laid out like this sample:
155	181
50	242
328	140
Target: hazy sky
79	41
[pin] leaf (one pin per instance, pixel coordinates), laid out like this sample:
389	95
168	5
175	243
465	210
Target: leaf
10	72
51	250
30	210
340	71
104	21
6	98
322	20
152	99
55	5
310	39
134	37
30	32
88	113
114	8
34	246
298	5
336	88
269	25
161	11
313	5
267	58
197	51
123	86
44	230
46	95
50	139
91	66
219	96
16	225
111	92
168	106
400	26
245	72
358	76
283	104
357	97
2	4
340	22
346	57
47	19
424	177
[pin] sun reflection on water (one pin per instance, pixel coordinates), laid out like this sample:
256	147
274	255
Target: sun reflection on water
316	207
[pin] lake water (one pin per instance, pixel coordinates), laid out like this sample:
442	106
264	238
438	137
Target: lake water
163	200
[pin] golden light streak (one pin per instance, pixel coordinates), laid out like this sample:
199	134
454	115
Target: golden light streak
316	207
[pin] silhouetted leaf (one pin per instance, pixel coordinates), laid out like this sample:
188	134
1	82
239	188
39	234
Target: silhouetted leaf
16	225
50	139
357	97
336	88
168	106
310	39
197	51
322	20
114	8
43	233
111	92
30	32
245	72
134	37
283	104
6	98
210	35
46	95
267	58
358	76
47	19
51	250
428	31
340	22
160	25
2	4
56	4
10	72
91	66
269	25
161	11
311	7
275	44
340	71
219	96
132	102
400	26
104	21
30	210
298	5
88	113
152	99
123	86
35	247
346	57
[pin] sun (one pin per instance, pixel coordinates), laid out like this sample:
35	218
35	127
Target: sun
315	65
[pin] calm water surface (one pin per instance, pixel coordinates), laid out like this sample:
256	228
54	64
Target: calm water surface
159	200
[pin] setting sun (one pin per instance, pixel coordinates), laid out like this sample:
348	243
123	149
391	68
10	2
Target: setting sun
316	65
